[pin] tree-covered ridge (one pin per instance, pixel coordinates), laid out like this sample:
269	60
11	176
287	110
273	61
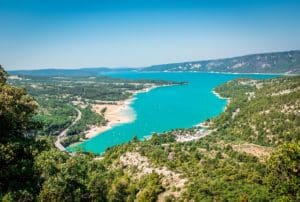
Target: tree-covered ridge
264	113
222	166
278	62
88	89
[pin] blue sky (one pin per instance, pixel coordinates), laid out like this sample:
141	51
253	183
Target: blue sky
122	33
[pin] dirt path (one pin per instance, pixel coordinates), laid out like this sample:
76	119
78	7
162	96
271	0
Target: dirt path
63	134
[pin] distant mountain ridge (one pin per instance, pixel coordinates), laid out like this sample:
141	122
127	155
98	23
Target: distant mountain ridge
287	62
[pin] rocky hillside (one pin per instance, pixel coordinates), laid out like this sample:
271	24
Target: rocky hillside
279	62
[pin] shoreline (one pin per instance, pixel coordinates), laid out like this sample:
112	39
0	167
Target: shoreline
222	98
205	124
121	112
117	113
205	129
219	96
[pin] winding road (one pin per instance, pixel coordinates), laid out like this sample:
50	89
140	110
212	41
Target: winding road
63	134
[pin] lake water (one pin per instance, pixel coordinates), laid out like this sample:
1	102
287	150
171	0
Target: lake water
166	108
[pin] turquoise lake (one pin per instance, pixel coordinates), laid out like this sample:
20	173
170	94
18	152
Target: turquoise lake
166	108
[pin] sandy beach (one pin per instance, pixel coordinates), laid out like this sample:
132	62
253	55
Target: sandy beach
115	113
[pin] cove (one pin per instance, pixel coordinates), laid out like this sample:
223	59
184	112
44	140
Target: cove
166	108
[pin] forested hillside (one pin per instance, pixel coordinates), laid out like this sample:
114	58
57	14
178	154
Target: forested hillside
251	152
278	62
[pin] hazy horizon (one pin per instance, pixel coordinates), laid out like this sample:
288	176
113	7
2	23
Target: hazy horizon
79	34
119	67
